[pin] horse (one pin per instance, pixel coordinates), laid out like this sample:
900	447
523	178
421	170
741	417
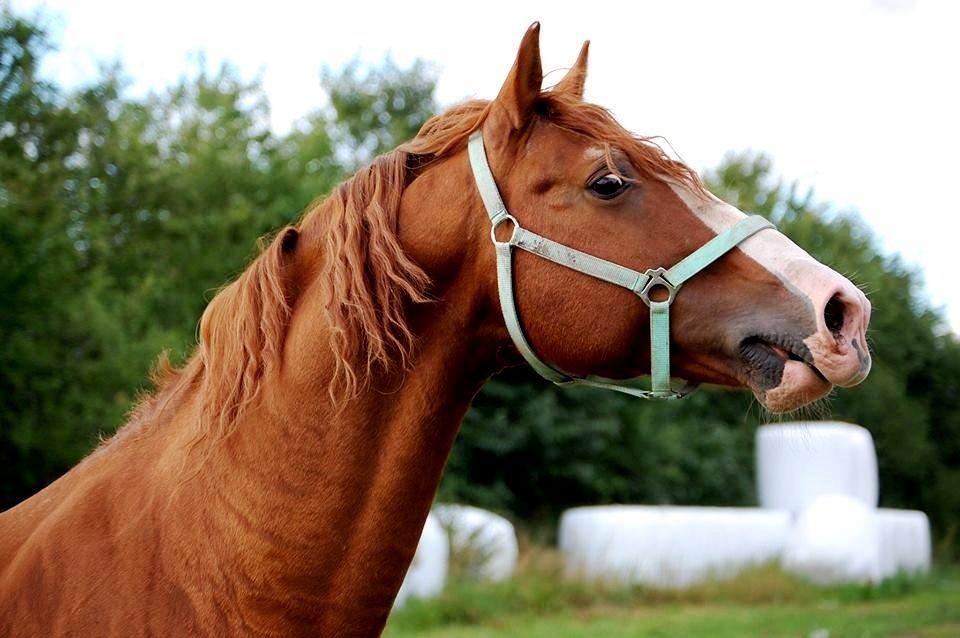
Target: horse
276	483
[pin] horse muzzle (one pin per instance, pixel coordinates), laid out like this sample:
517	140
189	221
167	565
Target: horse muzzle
835	354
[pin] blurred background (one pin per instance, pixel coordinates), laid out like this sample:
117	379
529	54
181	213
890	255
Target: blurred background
145	146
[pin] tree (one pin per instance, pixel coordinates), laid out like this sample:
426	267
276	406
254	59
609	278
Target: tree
377	109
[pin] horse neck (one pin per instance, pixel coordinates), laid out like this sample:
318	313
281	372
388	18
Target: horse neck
324	503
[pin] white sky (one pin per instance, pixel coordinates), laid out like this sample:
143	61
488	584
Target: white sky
858	98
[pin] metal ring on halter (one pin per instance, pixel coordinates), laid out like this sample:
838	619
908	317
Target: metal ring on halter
658	278
505	217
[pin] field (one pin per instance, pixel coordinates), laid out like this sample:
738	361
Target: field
764	601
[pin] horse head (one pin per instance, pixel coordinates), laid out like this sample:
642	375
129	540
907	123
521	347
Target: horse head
764	315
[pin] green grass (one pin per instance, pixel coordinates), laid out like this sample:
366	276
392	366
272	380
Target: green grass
764	601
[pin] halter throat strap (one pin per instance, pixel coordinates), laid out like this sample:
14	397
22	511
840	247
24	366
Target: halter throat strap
640	283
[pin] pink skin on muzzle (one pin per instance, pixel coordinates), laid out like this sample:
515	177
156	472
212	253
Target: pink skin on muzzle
838	348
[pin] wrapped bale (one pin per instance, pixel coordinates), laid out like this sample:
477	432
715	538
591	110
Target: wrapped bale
904	542
427	573
798	462
836	539
665	546
485	542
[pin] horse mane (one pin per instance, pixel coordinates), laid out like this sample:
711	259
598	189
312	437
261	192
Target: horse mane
365	279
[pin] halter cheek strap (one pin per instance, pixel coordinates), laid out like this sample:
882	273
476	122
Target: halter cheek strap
640	283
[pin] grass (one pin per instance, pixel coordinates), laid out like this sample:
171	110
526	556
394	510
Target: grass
763	601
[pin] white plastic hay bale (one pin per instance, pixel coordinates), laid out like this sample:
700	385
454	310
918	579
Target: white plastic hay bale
666	546
904	542
836	539
427	573
797	462
487	542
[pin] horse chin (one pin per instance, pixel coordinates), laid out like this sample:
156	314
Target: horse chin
800	385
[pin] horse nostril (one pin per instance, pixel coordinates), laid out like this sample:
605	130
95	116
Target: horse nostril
833	315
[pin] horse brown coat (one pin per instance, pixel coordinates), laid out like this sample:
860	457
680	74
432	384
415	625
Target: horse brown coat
277	483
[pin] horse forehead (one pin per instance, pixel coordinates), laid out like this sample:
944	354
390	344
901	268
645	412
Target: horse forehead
549	144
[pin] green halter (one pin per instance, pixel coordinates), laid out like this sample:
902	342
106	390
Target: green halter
640	283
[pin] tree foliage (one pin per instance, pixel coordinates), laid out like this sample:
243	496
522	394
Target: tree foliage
120	215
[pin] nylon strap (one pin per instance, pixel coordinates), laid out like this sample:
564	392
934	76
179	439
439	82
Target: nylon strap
639	283
660	346
507	305
716	248
587	264
482	174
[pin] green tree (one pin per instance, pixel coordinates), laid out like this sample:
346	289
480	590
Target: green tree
49	361
378	108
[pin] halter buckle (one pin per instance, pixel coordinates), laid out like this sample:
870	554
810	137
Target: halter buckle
495	224
657	277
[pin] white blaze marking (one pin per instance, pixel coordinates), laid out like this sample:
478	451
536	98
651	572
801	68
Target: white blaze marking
770	248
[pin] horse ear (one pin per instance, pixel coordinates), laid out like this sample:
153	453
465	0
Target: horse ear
522	86
572	83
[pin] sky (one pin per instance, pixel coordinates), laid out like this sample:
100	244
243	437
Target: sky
858	99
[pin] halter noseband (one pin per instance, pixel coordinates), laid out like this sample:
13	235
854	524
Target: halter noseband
639	283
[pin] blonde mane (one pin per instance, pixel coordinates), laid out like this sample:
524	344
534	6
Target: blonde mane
366	280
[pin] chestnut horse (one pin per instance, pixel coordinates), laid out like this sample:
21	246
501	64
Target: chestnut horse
277	483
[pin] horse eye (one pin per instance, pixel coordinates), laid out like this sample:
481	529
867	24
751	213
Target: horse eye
608	186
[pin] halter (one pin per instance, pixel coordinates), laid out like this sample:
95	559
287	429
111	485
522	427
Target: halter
640	283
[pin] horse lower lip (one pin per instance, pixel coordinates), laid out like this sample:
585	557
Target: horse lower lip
801	384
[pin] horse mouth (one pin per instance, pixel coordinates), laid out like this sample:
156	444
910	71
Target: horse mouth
767	358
